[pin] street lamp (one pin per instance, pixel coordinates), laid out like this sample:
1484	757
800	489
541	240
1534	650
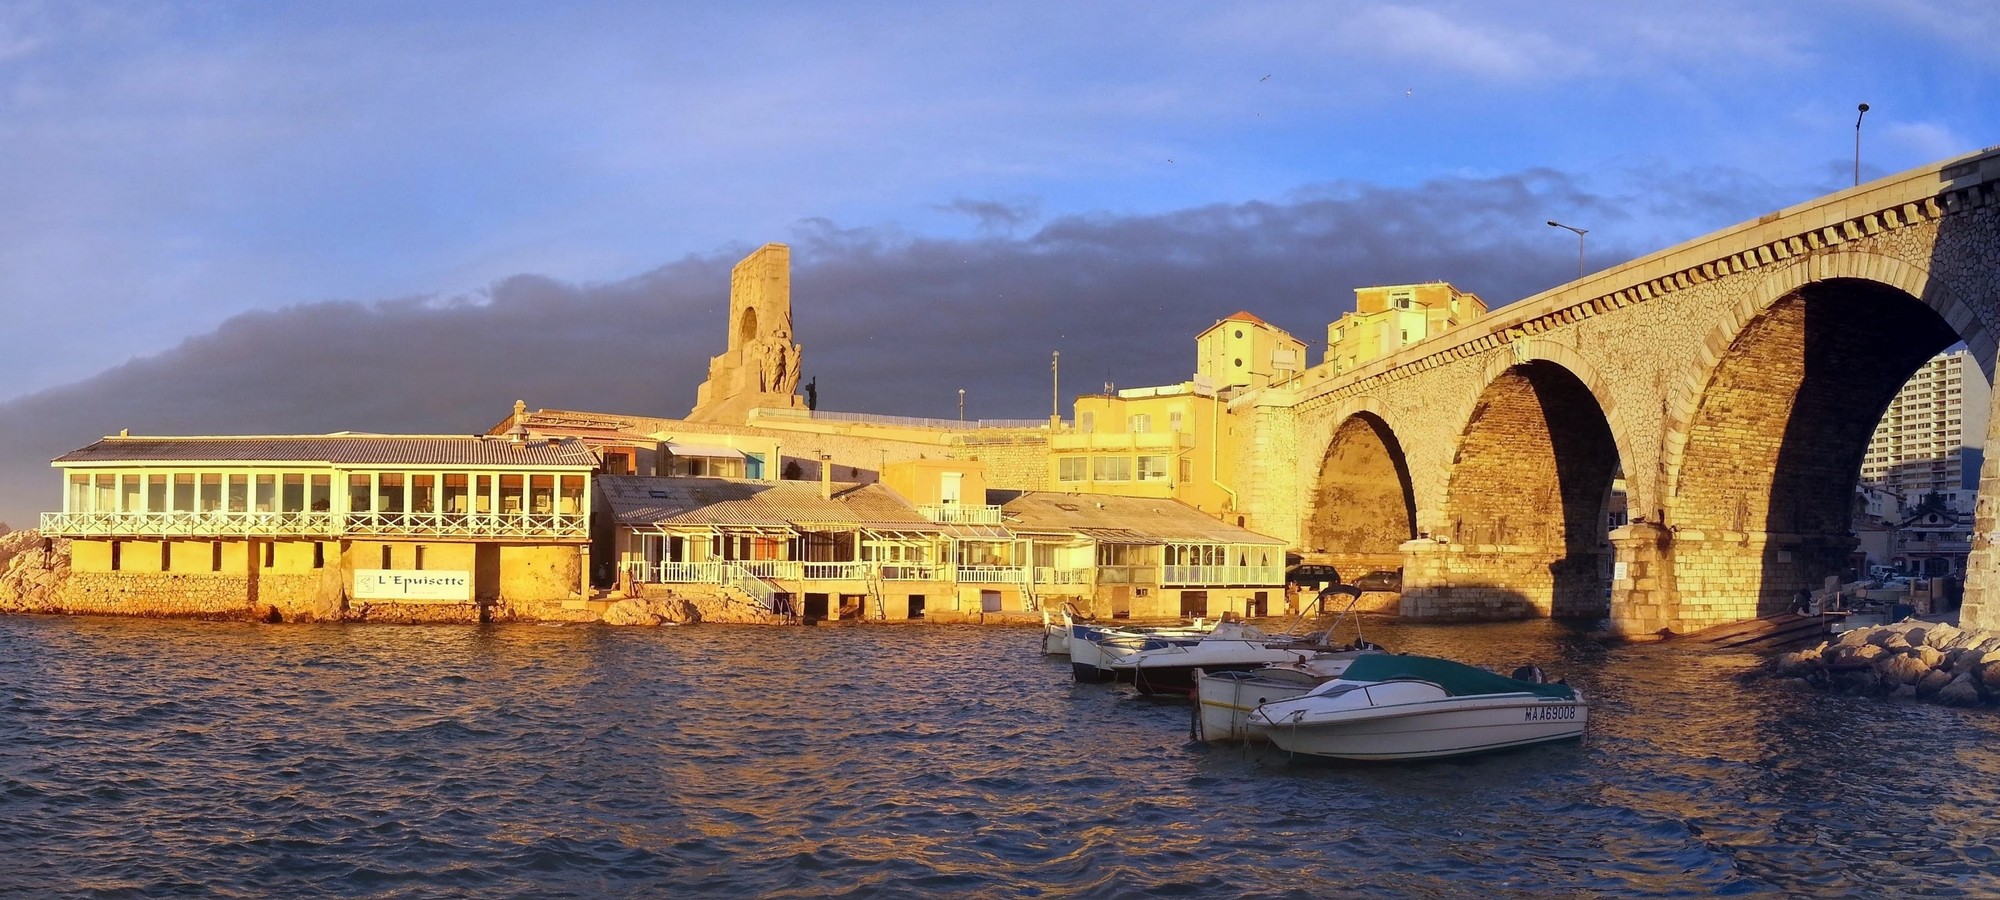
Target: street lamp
1580	232
961	404
1860	111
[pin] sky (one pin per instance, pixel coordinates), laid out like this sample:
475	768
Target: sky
308	217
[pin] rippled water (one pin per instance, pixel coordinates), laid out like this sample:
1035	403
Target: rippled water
156	758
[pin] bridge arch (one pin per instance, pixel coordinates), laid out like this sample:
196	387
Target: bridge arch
1523	523
1764	436
1363	506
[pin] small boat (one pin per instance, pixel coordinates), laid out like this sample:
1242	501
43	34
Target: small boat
1092	646
1416	707
1226	699
1174	667
1055	629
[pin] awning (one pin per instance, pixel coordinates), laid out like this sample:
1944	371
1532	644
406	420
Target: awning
707	450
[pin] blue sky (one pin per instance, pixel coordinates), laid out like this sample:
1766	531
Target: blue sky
178	176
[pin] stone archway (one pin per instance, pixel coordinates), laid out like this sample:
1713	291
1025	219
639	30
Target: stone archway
1524	519
1363	508
1763	480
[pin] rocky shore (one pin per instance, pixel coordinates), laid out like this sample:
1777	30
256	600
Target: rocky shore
1920	660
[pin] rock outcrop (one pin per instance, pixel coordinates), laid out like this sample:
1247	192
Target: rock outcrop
33	571
1919	660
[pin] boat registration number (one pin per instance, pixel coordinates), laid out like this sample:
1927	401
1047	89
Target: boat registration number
1541	713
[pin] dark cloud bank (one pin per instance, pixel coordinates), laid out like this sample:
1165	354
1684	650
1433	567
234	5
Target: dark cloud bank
889	324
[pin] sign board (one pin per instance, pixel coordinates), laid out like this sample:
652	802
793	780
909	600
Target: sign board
412	584
1618	571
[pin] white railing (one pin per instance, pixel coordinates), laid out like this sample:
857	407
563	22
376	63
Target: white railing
466	524
1048	575
321	524
838	571
1254	575
190	524
960	514
771	568
909	572
741	579
989	574
1125	574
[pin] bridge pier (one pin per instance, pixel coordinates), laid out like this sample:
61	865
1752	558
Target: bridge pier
1450	581
1642	579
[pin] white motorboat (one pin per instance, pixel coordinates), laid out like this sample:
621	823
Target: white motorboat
1226	699
1173	668
1090	646
1170	667
1415	707
1055	629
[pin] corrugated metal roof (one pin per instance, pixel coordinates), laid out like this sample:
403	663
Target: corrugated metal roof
1124	519
480	451
646	500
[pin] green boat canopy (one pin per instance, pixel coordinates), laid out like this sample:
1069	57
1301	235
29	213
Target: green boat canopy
1457	679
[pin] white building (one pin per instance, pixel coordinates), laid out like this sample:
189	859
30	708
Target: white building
1917	447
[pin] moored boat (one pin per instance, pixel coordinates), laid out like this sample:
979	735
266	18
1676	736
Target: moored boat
1387	707
1091	647
1226	699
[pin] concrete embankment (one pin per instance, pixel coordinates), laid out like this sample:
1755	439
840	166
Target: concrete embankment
1922	660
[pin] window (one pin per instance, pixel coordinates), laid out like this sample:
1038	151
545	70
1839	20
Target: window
389	491
1174	421
1239	363
1152	468
542	494
215	556
183	492
79	493
423	493
1139	424
1086	422
1072	468
1111	468
156	493
322	493
1239	334
358	493
1400	299
293	497
211	494
572	495
510	495
1187	470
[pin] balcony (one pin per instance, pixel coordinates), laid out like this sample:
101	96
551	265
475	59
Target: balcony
221	524
1051	575
1123	441
191	524
989	574
960	514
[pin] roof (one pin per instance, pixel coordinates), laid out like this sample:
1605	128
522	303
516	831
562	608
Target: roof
340	449
677	448
648	500
1134	520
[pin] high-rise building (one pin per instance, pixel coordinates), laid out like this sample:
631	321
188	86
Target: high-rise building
1918	446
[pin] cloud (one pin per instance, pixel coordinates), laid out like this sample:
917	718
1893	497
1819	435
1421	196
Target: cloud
993	215
890	323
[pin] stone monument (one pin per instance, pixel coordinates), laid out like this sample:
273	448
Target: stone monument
761	367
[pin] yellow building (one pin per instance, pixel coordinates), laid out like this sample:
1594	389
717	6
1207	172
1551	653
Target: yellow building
1156	442
1389	318
321	526
1243	351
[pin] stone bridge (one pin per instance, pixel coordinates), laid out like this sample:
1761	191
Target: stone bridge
1732	381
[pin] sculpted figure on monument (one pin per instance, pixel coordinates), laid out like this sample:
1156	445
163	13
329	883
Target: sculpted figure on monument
785	363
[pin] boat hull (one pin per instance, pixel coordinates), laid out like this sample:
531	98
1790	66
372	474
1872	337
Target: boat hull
1228	699
1446	728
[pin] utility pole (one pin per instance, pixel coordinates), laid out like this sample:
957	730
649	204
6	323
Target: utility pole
1055	387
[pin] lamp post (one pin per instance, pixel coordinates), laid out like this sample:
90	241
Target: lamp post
1055	386
1580	232
961	404
1860	111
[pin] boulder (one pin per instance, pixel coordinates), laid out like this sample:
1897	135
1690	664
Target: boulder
1931	656
1798	663
1940	635
1858	681
1932	682
1902	669
1892	640
1918	634
1962	691
1854	638
1989	675
1989	645
1962	639
1904	692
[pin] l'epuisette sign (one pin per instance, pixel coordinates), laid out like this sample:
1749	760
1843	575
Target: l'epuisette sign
406	584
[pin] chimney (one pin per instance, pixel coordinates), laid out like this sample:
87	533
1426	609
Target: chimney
826	476
519	434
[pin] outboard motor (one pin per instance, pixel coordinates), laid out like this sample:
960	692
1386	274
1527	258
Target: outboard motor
1530	674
